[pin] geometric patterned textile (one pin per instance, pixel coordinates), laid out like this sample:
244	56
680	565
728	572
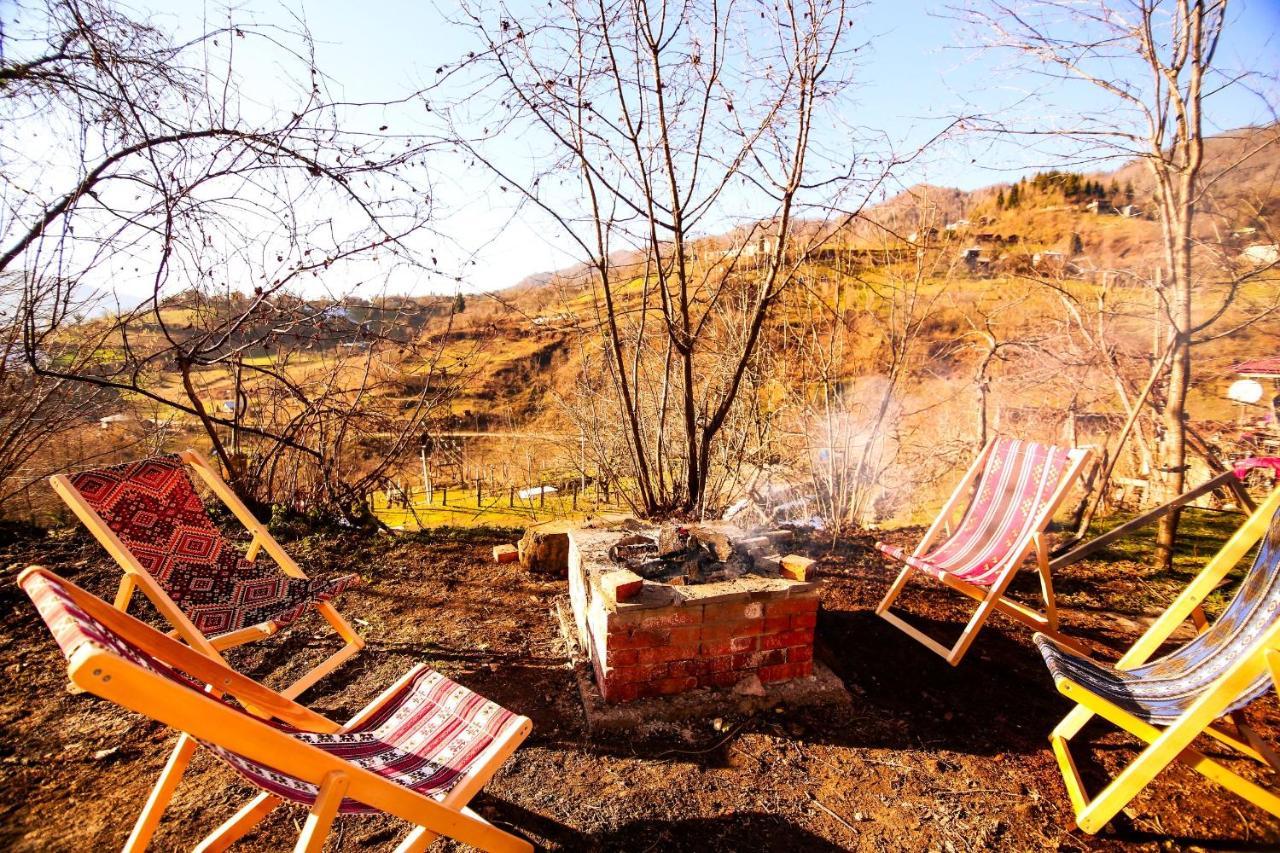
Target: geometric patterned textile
1161	691
1017	483
154	509
424	738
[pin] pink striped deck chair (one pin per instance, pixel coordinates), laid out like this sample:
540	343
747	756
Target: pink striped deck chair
1019	486
420	751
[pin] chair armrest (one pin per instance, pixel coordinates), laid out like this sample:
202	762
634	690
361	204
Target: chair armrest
1254	528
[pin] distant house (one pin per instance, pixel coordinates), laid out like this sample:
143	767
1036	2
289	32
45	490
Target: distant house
1131	211
227	407
1101	208
1261	254
922	235
1049	261
958	225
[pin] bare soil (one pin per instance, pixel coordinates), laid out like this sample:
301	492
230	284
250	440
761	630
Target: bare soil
928	757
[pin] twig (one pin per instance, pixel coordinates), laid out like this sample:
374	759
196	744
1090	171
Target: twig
837	817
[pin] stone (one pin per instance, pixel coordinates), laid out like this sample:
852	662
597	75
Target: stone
670	540
505	553
714	541
545	548
749	686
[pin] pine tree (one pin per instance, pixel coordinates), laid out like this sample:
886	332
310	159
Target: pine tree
1014	195
1128	192
1000	200
459	304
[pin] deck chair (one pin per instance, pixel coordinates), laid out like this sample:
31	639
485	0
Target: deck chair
1167	702
420	751
1019	486
150	518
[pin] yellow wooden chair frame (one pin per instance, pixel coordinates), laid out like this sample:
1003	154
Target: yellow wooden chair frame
203	717
991	599
136	577
1173	742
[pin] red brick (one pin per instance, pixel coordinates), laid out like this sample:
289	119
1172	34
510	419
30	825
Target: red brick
736	611
666	654
719	679
792	606
775	641
505	553
795	567
644	672
614	691
725	631
720	663
804	620
746	660
638	639
772	657
685	668
774	624
799	654
622	657
684	635
798	637
658	617
784	671
670	686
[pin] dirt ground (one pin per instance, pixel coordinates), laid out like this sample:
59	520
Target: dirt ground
927	758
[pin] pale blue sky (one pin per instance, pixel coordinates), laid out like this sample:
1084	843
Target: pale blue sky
912	79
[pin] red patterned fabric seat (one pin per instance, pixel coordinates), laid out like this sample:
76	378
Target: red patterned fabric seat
428	735
1018	482
154	509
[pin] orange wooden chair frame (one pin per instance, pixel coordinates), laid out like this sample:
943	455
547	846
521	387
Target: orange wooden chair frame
204	717
991	598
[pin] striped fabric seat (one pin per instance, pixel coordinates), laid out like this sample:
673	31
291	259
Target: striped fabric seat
1161	690
424	738
154	510
1019	480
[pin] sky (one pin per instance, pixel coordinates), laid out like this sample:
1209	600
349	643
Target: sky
912	79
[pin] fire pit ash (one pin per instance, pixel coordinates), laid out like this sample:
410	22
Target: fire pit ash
687	555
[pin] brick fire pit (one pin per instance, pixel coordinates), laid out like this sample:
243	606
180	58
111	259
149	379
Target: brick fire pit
672	636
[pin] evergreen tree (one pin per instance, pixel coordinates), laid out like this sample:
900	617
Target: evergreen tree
1128	192
1077	245
1114	191
1000	200
1014	195
459	304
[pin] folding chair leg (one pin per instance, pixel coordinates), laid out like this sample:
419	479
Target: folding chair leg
323	811
161	794
125	593
239	825
1046	581
894	591
979	618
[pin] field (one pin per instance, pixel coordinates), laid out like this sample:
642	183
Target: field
927	757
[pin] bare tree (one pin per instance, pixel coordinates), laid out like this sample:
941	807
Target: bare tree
664	122
136	164
1154	62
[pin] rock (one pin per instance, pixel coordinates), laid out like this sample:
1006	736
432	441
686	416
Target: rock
670	540
104	754
545	548
749	686
505	553
714	541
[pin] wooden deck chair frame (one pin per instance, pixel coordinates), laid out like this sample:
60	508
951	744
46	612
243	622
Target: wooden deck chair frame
990	599
136	577
1170	743
202	717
